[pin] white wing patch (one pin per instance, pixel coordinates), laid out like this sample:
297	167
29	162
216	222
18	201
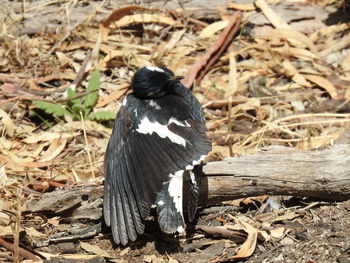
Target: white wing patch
182	124
154	69
148	127
175	191
154	105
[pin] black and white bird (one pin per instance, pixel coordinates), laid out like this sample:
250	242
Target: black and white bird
158	143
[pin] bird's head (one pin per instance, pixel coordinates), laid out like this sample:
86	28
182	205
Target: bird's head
153	82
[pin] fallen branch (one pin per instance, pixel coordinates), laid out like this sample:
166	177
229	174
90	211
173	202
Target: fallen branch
203	65
236	236
22	252
321	174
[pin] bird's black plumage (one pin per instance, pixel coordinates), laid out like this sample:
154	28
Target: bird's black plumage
158	140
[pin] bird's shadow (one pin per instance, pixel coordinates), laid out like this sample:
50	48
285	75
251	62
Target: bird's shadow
164	243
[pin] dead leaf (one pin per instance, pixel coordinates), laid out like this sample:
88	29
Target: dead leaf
32	232
252	104
94	249
36	164
339	45
211	29
265	235
169	46
121	12
346	66
110	55
277	232
286	216
317	142
124	251
254	199
153	259
232	83
55	148
172	260
78	256
8	123
301	53
271	15
64	60
54	221
291	72
4	179
241	7
115	95
49	136
222	151
89	126
5	218
146	18
248	247
239	150
324	83
118	260
294	37
6	231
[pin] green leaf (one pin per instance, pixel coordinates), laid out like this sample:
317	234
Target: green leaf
51	108
77	108
71	93
94	84
101	116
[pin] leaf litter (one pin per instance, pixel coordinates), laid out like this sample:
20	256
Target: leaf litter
276	83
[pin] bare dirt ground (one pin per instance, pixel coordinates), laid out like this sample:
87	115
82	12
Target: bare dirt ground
283	80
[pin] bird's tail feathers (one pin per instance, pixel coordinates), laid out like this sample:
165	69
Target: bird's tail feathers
169	206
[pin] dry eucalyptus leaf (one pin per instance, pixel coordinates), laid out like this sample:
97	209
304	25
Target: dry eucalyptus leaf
324	83
55	148
248	247
153	259
286	216
146	18
277	232
94	249
49	136
9	126
213	28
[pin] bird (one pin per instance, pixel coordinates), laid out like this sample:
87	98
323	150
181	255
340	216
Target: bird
157	146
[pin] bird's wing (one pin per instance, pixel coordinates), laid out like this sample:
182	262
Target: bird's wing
138	162
120	203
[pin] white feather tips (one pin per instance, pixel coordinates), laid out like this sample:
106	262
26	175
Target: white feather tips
195	162
154	69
